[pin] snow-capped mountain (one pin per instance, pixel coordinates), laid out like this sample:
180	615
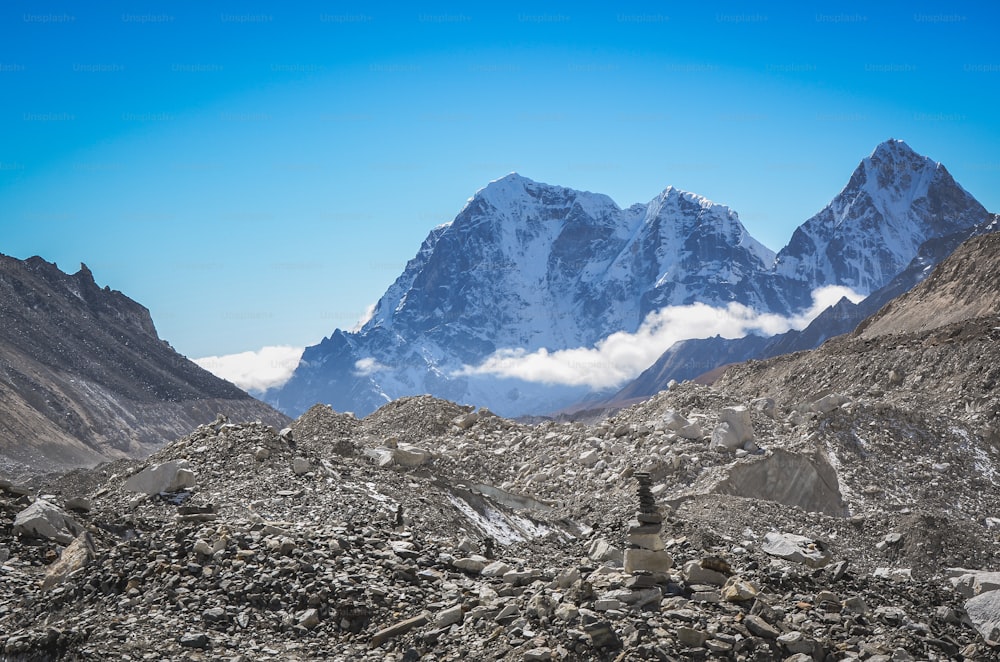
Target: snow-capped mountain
529	266
532	267
895	200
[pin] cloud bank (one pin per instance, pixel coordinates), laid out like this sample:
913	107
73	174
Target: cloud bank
622	356
255	371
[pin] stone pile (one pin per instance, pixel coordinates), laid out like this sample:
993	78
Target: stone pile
646	557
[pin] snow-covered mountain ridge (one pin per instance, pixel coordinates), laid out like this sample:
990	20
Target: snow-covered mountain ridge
529	267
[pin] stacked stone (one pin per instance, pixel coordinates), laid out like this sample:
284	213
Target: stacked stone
646	556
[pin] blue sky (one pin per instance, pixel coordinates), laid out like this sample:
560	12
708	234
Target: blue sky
258	175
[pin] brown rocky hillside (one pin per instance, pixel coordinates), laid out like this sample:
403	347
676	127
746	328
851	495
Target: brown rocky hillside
84	377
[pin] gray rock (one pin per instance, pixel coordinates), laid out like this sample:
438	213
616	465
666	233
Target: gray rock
723	436
309	619
495	569
300	465
647	560
397	629
792	547
77	555
828	403
46	520
167	477
448	616
691	638
760	628
766	406
603	551
984	612
693	573
472	564
739	422
79	504
194	640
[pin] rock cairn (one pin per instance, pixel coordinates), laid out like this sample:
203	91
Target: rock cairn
646	558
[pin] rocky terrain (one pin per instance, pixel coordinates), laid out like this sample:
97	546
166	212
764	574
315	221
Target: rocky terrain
85	378
832	505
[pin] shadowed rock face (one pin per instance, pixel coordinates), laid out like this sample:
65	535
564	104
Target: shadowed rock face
85	378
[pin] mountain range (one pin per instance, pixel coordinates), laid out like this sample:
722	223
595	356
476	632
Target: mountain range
527	269
84	377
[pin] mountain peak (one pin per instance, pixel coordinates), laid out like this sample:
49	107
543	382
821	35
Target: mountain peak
895	200
892	147
893	160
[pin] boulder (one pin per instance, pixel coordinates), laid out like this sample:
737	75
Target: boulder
674	421
739	422
410	456
170	476
604	552
45	520
495	569
691	637
79	504
691	431
765	406
694	573
737	589
300	465
984	612
898	575
799	549
973	583
804	481
472	564
466	421
448	616
77	555
723	436
828	403
589	458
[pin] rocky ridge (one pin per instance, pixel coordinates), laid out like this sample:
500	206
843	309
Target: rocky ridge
527	266
85	378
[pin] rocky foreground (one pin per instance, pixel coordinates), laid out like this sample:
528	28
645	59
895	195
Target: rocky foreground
694	526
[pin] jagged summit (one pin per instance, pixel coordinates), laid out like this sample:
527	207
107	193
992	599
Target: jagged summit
527	266
895	200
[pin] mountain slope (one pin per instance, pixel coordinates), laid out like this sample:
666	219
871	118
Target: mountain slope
530	266
691	358
932	350
85	378
895	201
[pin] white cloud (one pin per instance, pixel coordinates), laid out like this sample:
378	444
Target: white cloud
622	356
367	366
255	371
